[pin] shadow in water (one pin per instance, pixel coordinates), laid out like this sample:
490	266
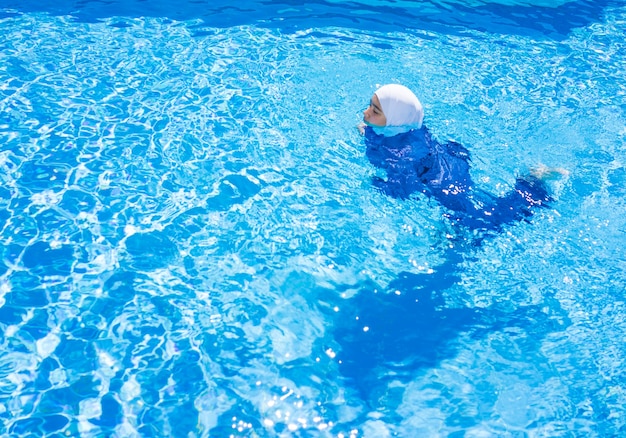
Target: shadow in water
522	18
389	335
392	335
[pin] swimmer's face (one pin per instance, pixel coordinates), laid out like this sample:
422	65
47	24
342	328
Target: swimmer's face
374	115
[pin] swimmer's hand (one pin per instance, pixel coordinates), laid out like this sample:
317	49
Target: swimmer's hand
361	128
389	188
545	173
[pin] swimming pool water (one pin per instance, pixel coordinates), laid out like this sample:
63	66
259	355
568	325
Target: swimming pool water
189	228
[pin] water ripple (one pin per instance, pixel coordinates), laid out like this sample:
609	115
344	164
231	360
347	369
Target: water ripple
186	209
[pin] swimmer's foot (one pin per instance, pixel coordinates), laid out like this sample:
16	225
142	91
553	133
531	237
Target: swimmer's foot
545	173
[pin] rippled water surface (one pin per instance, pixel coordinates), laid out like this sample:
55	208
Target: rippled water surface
190	234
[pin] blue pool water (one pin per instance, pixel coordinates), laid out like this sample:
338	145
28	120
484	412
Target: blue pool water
192	245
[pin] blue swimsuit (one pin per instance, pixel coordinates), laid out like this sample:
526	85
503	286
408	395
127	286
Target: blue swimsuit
417	163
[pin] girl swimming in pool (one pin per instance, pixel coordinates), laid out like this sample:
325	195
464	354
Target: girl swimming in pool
397	141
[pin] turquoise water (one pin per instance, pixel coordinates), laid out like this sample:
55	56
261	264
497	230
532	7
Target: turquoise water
187	215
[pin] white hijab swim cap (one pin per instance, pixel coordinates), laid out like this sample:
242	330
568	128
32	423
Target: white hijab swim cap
400	106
